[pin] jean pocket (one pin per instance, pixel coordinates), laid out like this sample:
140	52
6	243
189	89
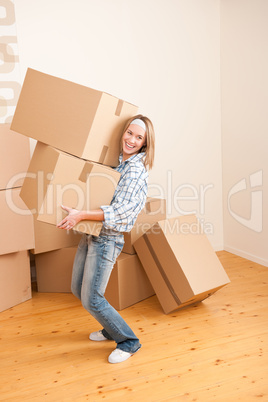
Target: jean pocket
111	251
117	250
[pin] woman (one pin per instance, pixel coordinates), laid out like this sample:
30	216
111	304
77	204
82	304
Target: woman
96	256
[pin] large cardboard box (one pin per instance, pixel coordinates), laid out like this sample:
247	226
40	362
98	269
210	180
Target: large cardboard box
15	279
53	179
128	283
16	223
14	157
54	270
71	117
153	211
180	262
49	237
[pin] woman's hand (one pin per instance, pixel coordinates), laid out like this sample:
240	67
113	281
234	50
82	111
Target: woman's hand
74	216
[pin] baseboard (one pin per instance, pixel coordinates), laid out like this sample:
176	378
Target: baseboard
246	255
217	247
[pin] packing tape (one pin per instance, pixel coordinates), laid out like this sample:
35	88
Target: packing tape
119	107
103	154
161	270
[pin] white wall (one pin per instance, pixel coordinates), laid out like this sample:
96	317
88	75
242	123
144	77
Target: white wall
244	82
163	56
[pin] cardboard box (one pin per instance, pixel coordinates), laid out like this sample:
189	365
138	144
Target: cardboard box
180	262
15	279
71	117
128	283
53	179
49	238
153	211
54	270
16	223
14	157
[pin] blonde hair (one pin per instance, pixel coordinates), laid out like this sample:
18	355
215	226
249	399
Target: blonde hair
149	146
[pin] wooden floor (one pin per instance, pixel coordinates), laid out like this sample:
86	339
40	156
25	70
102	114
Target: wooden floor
213	351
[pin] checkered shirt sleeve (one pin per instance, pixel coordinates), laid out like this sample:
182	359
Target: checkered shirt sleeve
129	197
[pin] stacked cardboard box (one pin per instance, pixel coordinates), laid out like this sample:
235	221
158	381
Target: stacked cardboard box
73	118
16	223
77	131
15	279
56	178
54	270
180	262
128	283
153	211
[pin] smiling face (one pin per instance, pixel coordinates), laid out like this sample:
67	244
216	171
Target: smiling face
133	140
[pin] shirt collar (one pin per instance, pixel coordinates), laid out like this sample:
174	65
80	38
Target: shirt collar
134	158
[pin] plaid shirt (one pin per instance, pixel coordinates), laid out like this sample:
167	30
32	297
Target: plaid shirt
129	196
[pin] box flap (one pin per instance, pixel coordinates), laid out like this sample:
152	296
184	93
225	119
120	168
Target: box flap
194	253
39	174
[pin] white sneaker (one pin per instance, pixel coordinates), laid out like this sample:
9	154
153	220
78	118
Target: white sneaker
119	356
97	336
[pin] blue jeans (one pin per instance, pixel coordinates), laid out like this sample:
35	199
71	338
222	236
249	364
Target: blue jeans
92	268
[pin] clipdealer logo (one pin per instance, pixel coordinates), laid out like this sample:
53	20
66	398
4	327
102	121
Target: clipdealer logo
9	67
256	204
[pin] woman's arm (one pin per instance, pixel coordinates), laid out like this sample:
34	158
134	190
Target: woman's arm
74	216
128	201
